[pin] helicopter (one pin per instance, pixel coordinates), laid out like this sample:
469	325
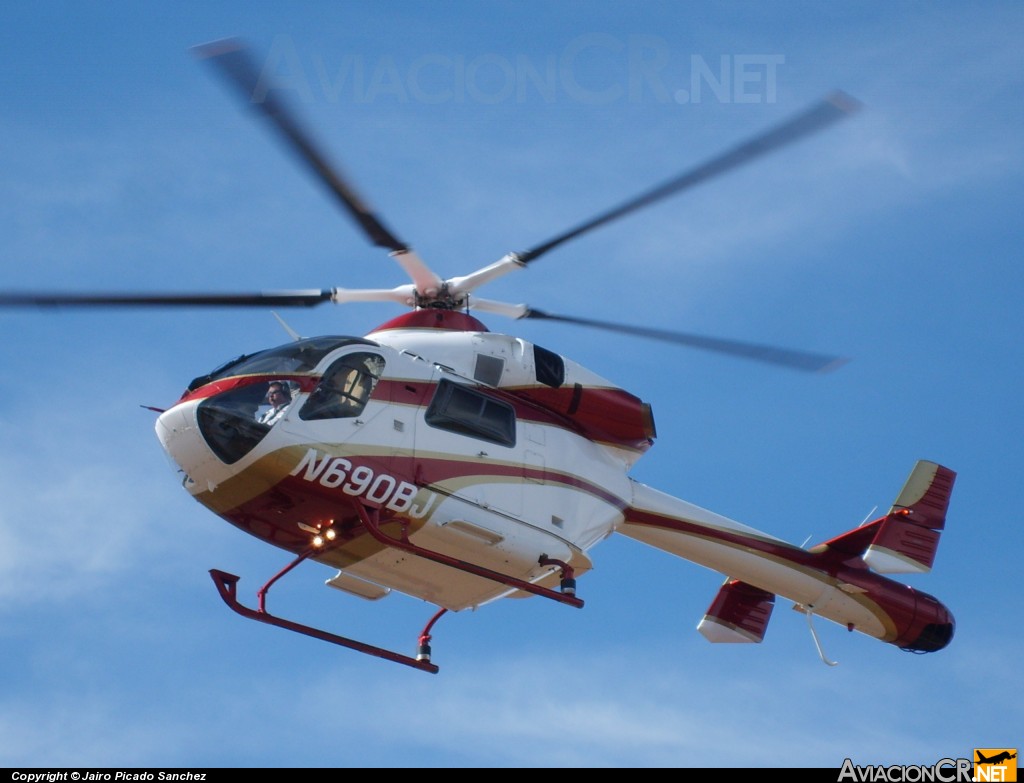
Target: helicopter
435	458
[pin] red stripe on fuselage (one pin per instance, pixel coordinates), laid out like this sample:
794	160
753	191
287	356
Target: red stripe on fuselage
776	549
274	516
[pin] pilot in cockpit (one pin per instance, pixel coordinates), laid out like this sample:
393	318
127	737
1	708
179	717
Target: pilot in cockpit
279	397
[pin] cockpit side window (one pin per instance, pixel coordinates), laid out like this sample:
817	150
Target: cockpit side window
464	410
550	367
345	388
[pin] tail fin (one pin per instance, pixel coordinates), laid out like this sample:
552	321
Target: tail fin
739	613
909	534
905	540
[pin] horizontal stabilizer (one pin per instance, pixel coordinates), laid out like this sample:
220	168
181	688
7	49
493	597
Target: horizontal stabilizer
908	536
739	614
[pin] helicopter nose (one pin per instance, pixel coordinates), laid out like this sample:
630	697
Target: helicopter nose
178	432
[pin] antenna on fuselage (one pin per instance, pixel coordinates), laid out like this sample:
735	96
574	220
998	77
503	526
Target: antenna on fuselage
291	332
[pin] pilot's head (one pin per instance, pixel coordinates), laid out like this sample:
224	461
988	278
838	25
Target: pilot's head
278	393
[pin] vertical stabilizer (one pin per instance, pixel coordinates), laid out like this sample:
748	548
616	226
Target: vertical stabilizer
739	614
908	536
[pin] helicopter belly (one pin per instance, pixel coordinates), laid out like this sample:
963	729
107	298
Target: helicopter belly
291	514
469	527
287	494
466	533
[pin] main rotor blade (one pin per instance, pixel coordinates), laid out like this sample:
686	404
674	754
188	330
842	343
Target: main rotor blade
797	360
236	63
308	298
827	111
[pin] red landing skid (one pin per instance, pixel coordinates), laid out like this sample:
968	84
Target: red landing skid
227	584
227	587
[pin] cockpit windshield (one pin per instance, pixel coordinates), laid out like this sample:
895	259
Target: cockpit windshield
235	419
297	357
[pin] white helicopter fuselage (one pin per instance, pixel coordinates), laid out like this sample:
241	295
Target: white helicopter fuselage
458	466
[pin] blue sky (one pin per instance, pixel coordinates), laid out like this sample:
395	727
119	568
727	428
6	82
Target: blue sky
476	129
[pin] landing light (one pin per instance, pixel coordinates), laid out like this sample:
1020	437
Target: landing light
328	535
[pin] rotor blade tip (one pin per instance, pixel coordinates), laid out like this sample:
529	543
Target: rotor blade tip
844	102
217	48
834	365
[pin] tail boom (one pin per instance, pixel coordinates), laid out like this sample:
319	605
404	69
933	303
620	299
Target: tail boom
832	582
